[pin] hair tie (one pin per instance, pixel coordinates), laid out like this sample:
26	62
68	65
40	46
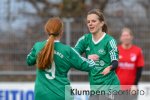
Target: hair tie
54	34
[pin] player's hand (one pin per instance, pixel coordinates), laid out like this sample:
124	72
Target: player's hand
93	57
133	90
106	70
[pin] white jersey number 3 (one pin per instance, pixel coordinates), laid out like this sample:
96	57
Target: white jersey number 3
50	72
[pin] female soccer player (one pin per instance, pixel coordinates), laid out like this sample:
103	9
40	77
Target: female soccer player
53	60
101	47
131	62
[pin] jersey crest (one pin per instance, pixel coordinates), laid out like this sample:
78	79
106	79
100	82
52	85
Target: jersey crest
133	57
101	51
102	63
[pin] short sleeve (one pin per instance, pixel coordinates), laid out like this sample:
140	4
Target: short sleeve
140	59
113	50
80	45
31	57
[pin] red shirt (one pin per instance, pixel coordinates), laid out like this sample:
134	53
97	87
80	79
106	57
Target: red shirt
129	60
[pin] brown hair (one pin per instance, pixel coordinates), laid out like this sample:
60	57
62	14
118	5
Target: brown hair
127	30
101	18
53	27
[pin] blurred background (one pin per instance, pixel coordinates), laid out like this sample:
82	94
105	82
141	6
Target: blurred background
22	24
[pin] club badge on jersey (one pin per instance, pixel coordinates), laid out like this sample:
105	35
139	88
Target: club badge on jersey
133	57
102	51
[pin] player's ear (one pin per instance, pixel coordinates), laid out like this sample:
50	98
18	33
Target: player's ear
120	38
132	37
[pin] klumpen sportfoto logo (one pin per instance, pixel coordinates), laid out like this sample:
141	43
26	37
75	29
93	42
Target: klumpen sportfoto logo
84	91
75	91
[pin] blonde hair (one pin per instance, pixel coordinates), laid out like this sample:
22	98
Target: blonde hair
126	29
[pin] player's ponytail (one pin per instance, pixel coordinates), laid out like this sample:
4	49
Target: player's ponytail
100	17
104	28
45	57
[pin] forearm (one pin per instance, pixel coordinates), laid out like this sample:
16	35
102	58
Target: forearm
138	75
114	65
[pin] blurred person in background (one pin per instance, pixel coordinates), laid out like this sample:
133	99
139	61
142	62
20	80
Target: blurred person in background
131	63
102	48
53	60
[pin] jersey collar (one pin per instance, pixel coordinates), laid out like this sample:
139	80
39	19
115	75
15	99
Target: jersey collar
99	39
56	41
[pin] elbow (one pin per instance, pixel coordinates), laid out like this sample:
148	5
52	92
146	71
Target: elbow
30	62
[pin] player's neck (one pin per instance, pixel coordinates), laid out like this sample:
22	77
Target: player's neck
126	46
97	36
57	38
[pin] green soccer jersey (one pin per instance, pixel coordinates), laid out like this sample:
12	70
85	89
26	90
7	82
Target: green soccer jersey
107	51
50	83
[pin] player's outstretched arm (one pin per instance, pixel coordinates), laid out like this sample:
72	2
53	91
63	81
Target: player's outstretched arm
31	57
80	45
79	62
